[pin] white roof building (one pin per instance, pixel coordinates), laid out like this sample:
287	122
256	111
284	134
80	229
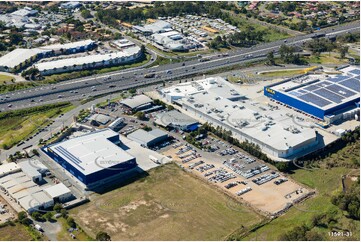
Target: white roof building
86	152
24	12
67	46
100	118
214	100
20	55
87	60
8	168
156	27
58	191
136	101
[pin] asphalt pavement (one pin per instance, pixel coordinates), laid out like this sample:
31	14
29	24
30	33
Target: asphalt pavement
90	86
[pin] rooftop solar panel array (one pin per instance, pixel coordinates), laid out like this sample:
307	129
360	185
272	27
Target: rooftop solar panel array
338	78
332	90
302	91
309	97
356	72
341	91
329	95
310	88
324	83
352	83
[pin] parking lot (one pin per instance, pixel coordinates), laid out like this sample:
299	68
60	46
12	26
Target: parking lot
240	175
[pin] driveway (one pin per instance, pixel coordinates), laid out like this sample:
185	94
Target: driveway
51	229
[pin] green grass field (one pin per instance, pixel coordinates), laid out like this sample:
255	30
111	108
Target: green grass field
327	183
326	58
15	129
169	204
64	235
285	73
4	79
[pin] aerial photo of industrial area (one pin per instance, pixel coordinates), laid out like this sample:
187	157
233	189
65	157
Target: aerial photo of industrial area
179	120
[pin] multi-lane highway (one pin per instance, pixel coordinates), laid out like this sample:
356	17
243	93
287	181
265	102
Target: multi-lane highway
121	80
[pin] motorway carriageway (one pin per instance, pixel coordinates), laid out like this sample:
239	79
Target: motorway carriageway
121	80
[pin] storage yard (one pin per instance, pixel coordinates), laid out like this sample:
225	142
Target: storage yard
251	181
169	204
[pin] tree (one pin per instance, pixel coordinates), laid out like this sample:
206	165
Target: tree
143	49
170	107
64	213
48	216
70	221
15	38
140	115
86	14
22	215
270	58
36	215
102	236
35	152
57	207
343	51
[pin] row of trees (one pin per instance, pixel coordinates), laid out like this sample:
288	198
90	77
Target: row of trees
302	233
349	201
289	56
245	38
247	146
226	135
161	9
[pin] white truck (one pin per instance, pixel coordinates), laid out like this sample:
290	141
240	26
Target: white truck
38	227
154	159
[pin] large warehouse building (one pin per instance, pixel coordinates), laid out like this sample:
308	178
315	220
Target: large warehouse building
214	100
327	98
136	103
176	120
21	58
17	180
148	139
92	157
89	62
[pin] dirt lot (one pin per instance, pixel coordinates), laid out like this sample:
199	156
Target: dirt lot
169	204
14	233
9	213
268	197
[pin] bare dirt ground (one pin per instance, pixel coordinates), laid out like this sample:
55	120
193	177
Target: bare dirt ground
169	204
268	198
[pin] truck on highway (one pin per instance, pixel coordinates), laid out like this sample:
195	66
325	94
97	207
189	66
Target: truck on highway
318	35
149	75
204	59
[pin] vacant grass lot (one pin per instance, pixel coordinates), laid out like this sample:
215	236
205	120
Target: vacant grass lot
325	58
5	79
15	232
169	204
283	73
15	129
327	182
64	234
